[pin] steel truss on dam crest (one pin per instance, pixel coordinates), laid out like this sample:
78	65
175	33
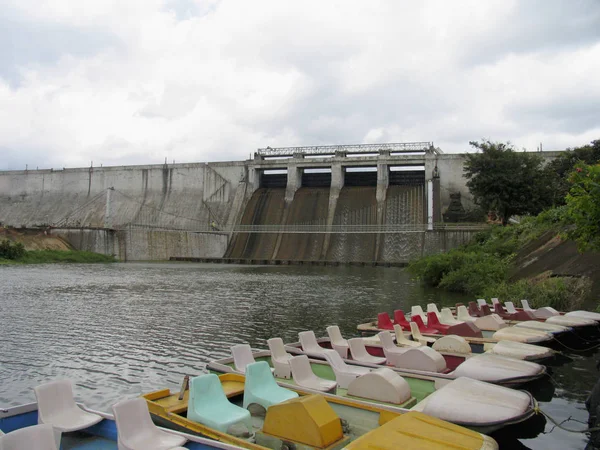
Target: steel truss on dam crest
404	147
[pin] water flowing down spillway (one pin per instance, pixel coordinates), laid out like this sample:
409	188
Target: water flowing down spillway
355	206
404	205
266	207
310	207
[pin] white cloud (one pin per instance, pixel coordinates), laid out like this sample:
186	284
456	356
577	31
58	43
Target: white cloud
203	81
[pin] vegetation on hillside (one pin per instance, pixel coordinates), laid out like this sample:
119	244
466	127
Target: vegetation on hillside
15	253
499	179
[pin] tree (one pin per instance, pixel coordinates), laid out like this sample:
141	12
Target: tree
583	206
560	169
505	181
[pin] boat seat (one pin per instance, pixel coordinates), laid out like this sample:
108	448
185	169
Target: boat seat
418	311
417	336
401	320
242	356
344	373
309	343
447	318
463	315
452	344
485	310
135	429
209	405
424	329
432	307
304	376
338	343
474	310
384	322
36	437
540	313
495	300
382	385
280	358
422	358
402	340
57	407
462	329
518	315
262	389
510	308
359	352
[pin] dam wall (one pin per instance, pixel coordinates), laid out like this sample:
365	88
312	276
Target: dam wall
132	212
353	202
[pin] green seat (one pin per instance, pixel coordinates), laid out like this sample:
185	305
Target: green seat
209	405
262	389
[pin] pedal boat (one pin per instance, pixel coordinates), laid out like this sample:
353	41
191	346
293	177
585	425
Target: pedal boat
526	336
313	420
422	360
480	406
102	435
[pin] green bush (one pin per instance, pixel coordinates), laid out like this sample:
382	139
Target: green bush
477	271
9	250
61	256
563	294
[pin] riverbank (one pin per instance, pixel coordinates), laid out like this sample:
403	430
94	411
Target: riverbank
37	247
531	260
58	256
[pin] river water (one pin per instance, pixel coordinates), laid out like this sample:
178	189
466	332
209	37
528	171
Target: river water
119	330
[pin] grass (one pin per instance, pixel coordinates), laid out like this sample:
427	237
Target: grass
59	256
481	268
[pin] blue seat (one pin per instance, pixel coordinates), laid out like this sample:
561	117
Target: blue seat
209	405
262	389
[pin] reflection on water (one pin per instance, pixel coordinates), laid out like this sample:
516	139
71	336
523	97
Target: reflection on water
123	329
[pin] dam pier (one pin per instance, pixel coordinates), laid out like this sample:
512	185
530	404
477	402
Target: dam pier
354	204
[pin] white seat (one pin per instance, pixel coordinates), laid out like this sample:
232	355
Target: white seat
280	358
37	437
57	407
417	336
242	356
481	302
463	315
494	301
309	343
446	318
359	352
422	358
432	307
136	430
344	373
402	340
338	343
418	311
304	376
510	307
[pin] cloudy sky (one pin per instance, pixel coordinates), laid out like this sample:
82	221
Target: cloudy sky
138	81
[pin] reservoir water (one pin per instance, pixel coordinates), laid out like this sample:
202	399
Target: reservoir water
119	330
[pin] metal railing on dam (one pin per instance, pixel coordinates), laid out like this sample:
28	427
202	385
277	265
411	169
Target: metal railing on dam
323	229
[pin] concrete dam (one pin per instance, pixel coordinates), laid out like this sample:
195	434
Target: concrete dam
367	204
